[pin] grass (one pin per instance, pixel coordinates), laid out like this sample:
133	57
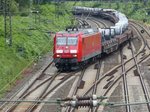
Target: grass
31	39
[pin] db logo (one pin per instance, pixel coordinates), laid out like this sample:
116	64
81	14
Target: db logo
66	51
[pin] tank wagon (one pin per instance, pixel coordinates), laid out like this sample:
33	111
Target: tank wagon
76	47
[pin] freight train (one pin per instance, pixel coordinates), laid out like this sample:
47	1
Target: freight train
76	47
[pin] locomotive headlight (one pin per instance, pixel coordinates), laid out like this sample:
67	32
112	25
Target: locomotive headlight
74	55
57	55
59	51
73	51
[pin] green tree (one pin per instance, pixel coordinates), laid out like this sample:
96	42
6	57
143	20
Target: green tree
23	4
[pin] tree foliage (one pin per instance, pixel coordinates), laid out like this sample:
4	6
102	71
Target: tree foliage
23	3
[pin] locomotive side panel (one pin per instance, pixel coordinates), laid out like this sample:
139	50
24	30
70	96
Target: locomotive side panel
54	47
79	54
91	46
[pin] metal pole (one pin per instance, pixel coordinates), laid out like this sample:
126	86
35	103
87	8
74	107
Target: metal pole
10	21
7	22
1	5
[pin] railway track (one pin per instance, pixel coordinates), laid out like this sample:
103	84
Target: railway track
114	79
98	67
119	77
125	86
20	95
105	23
106	76
139	52
45	94
94	90
83	82
140	76
78	83
25	95
142	32
145	48
98	24
23	90
111	83
110	80
39	89
27	106
104	83
145	90
47	82
93	22
83	23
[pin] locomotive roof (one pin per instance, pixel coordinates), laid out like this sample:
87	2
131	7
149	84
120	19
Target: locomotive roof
77	32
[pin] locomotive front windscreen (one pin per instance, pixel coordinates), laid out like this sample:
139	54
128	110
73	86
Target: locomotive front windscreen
61	40
72	41
67	40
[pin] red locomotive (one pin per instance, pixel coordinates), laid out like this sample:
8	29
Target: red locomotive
77	48
73	48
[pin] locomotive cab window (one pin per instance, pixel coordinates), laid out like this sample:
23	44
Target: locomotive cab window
72	41
61	40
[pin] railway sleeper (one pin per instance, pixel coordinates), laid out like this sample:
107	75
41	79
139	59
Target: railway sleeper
96	66
124	57
143	51
143	57
112	72
129	47
136	73
81	85
65	77
148	64
108	84
143	54
110	78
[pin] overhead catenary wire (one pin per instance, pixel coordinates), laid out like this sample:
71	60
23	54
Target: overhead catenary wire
57	101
